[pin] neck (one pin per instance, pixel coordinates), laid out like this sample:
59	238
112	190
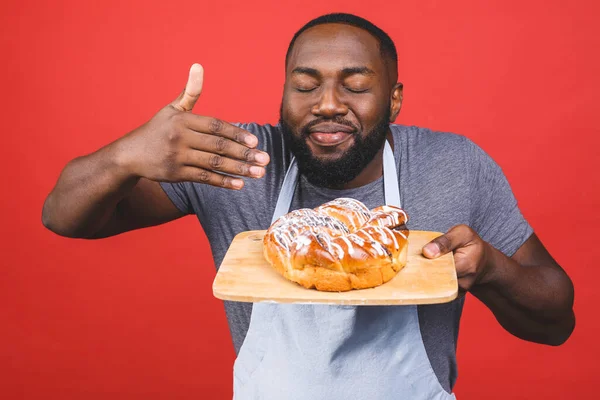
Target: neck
373	170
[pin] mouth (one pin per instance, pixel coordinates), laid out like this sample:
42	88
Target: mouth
328	139
328	135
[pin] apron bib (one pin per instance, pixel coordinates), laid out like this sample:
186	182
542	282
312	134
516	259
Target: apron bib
314	352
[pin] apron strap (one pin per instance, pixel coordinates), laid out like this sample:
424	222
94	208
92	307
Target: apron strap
284	201
391	187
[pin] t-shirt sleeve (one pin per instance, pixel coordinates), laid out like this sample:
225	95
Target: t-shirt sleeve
178	194
495	214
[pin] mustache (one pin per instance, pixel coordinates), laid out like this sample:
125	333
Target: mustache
304	131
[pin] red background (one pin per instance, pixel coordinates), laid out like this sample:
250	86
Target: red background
133	317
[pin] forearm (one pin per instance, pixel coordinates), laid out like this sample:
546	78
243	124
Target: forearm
532	302
87	193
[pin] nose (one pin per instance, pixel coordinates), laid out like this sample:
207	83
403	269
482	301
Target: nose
329	104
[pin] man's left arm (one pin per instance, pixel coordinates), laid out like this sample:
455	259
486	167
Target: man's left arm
530	295
501	261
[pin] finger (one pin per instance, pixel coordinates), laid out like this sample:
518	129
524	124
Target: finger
456	237
216	162
193	174
193	88
222	146
215	126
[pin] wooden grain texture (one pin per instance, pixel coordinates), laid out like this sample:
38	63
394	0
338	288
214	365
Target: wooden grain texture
246	276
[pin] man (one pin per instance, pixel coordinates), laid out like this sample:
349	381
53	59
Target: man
341	96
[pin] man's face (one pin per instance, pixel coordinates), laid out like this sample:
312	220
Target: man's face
336	104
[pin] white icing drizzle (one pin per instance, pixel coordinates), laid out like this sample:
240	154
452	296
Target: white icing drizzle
287	228
356	211
349	246
332	247
387	234
351	204
376	245
366	233
393	210
300	228
301	241
340	251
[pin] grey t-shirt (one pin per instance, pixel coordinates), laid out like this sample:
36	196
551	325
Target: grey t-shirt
445	180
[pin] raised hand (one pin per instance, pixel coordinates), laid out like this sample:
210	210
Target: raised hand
176	145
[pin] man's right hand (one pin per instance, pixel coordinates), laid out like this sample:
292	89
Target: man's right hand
176	145
115	189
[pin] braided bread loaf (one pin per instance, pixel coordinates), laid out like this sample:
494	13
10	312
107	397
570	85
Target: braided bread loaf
339	246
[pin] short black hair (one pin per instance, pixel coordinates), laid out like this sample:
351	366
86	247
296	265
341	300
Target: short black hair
386	44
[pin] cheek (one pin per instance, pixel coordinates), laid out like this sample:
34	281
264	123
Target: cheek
294	110
291	109
369	112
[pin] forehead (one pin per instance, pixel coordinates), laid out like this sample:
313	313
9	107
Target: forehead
336	46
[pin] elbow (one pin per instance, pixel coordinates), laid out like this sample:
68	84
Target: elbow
562	332
47	216
58	220
560	326
53	227
47	222
554	333
564	326
51	221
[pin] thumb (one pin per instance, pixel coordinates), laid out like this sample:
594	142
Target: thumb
456	237
432	249
193	88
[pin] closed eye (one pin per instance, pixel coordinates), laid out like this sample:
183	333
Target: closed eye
305	90
357	90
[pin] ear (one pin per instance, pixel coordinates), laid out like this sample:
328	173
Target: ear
396	101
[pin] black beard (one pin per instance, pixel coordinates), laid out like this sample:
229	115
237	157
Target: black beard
335	173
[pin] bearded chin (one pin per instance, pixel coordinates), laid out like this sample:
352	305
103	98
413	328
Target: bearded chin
338	172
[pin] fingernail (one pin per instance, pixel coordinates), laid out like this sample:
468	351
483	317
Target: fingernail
431	249
261	158
251	140
256	171
237	183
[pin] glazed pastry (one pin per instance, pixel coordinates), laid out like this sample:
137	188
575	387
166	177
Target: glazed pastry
339	246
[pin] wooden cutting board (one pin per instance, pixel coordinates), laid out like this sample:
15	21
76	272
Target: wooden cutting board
246	276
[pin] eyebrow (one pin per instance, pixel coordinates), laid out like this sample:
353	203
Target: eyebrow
358	70
345	71
306	71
